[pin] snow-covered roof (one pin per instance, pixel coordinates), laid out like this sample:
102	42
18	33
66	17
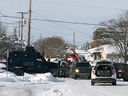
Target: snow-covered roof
69	51
78	51
95	50
110	49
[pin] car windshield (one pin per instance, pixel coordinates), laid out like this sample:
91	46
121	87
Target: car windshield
83	65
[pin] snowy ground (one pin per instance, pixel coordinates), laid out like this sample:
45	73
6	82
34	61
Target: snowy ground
47	85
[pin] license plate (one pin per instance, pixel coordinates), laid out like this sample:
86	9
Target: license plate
119	75
120	70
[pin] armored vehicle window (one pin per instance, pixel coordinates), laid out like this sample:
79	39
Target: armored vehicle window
25	55
15	55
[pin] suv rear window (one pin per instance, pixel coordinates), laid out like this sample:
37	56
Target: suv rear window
104	62
104	67
104	70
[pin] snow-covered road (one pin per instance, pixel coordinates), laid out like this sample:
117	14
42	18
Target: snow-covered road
47	85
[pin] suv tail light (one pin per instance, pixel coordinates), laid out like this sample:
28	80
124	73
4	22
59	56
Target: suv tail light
94	72
113	72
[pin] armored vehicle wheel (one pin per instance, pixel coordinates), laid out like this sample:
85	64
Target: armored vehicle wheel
19	72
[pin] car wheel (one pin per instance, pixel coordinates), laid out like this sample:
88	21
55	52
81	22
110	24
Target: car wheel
19	72
89	77
125	79
75	77
92	82
53	72
114	83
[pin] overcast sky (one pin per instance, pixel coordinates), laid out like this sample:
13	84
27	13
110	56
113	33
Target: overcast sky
81	11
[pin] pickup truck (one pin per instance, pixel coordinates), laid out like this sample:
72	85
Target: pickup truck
121	71
80	70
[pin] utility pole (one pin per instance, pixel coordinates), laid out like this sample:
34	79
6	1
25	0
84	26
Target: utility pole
22	17
29	23
74	40
19	29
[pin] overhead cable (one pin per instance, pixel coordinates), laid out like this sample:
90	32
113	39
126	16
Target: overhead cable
59	21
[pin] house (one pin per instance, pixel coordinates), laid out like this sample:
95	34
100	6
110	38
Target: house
82	53
105	52
94	53
110	52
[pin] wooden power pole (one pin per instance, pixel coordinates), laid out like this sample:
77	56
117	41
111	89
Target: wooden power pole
29	22
74	40
22	17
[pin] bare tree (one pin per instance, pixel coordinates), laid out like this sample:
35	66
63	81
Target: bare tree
116	31
51	46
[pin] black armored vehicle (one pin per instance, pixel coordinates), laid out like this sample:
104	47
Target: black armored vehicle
29	61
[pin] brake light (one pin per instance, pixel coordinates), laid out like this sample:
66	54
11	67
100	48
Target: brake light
113	72
94	72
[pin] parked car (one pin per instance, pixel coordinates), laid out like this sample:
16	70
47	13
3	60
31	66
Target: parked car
80	70
121	71
103	72
2	68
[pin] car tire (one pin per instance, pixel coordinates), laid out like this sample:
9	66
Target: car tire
114	83
53	72
125	79
75	77
89	77
19	72
92	82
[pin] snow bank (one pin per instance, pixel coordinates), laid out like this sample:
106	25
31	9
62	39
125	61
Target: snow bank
2	65
38	78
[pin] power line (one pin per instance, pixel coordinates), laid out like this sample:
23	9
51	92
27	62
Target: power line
57	21
65	26
8	23
79	5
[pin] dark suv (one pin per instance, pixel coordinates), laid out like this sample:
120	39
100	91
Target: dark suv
121	71
80	70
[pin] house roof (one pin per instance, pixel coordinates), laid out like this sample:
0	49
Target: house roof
95	50
109	49
78	51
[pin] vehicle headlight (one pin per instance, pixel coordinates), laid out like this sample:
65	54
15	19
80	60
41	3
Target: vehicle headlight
76	70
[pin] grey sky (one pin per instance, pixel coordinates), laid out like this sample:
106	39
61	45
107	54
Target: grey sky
86	11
